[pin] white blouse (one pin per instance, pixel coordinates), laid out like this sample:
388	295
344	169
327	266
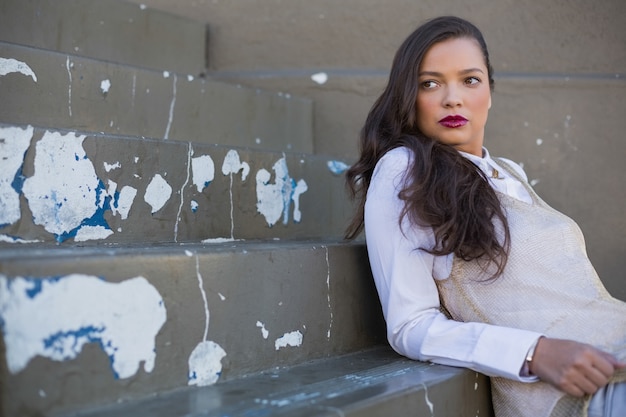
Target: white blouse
405	276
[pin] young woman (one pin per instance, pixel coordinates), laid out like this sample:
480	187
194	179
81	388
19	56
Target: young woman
472	268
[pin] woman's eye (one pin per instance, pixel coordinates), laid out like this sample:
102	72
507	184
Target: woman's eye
472	81
429	84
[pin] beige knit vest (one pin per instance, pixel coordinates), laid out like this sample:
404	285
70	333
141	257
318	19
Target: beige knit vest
548	286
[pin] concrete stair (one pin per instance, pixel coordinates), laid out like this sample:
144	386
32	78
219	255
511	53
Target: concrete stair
172	245
56	90
84	187
188	315
369	383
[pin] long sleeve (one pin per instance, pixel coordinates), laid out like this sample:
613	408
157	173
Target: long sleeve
404	277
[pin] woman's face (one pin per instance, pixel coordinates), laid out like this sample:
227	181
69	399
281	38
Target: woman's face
454	97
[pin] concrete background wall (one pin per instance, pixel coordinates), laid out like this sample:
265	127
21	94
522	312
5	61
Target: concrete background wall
560	85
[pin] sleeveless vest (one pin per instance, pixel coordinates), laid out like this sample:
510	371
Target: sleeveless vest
548	286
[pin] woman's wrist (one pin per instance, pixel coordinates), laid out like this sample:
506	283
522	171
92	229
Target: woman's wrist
528	361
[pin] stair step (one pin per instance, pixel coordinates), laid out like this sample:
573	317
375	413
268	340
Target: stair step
109	30
85	188
375	383
55	90
124	322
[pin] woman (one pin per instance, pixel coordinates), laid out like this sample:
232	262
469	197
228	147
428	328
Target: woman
472	268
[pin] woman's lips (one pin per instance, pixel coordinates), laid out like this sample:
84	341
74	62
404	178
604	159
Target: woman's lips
453	121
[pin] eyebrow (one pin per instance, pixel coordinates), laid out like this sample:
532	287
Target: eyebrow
462	72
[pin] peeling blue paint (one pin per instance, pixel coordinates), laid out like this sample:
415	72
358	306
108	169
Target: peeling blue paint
115	200
12	237
51	326
98	217
37	285
337	167
18	180
56	341
275	199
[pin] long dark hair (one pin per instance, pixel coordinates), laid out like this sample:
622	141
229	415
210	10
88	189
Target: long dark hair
444	190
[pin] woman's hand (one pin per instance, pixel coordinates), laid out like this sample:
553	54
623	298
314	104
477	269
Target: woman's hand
573	367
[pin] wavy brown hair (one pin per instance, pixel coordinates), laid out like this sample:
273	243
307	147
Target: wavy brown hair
443	189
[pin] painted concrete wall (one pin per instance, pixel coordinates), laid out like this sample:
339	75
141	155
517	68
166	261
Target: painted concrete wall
560	94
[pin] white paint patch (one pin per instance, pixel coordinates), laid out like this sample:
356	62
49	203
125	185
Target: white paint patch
92	233
320	78
264	331
232	165
269	199
221	296
11	239
158	193
203	170
10	65
190	78
166	74
56	317
142	6
112	188
293	339
337	167
534	182
194	205
205	364
219	240
124	201
300	189
14	143
109	167
539	141
105	85
62	191
275	199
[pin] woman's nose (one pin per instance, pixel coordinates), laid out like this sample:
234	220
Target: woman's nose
452	97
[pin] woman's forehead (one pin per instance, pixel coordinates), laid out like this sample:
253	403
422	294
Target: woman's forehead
453	54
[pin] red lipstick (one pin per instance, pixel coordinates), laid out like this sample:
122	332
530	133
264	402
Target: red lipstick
453	121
